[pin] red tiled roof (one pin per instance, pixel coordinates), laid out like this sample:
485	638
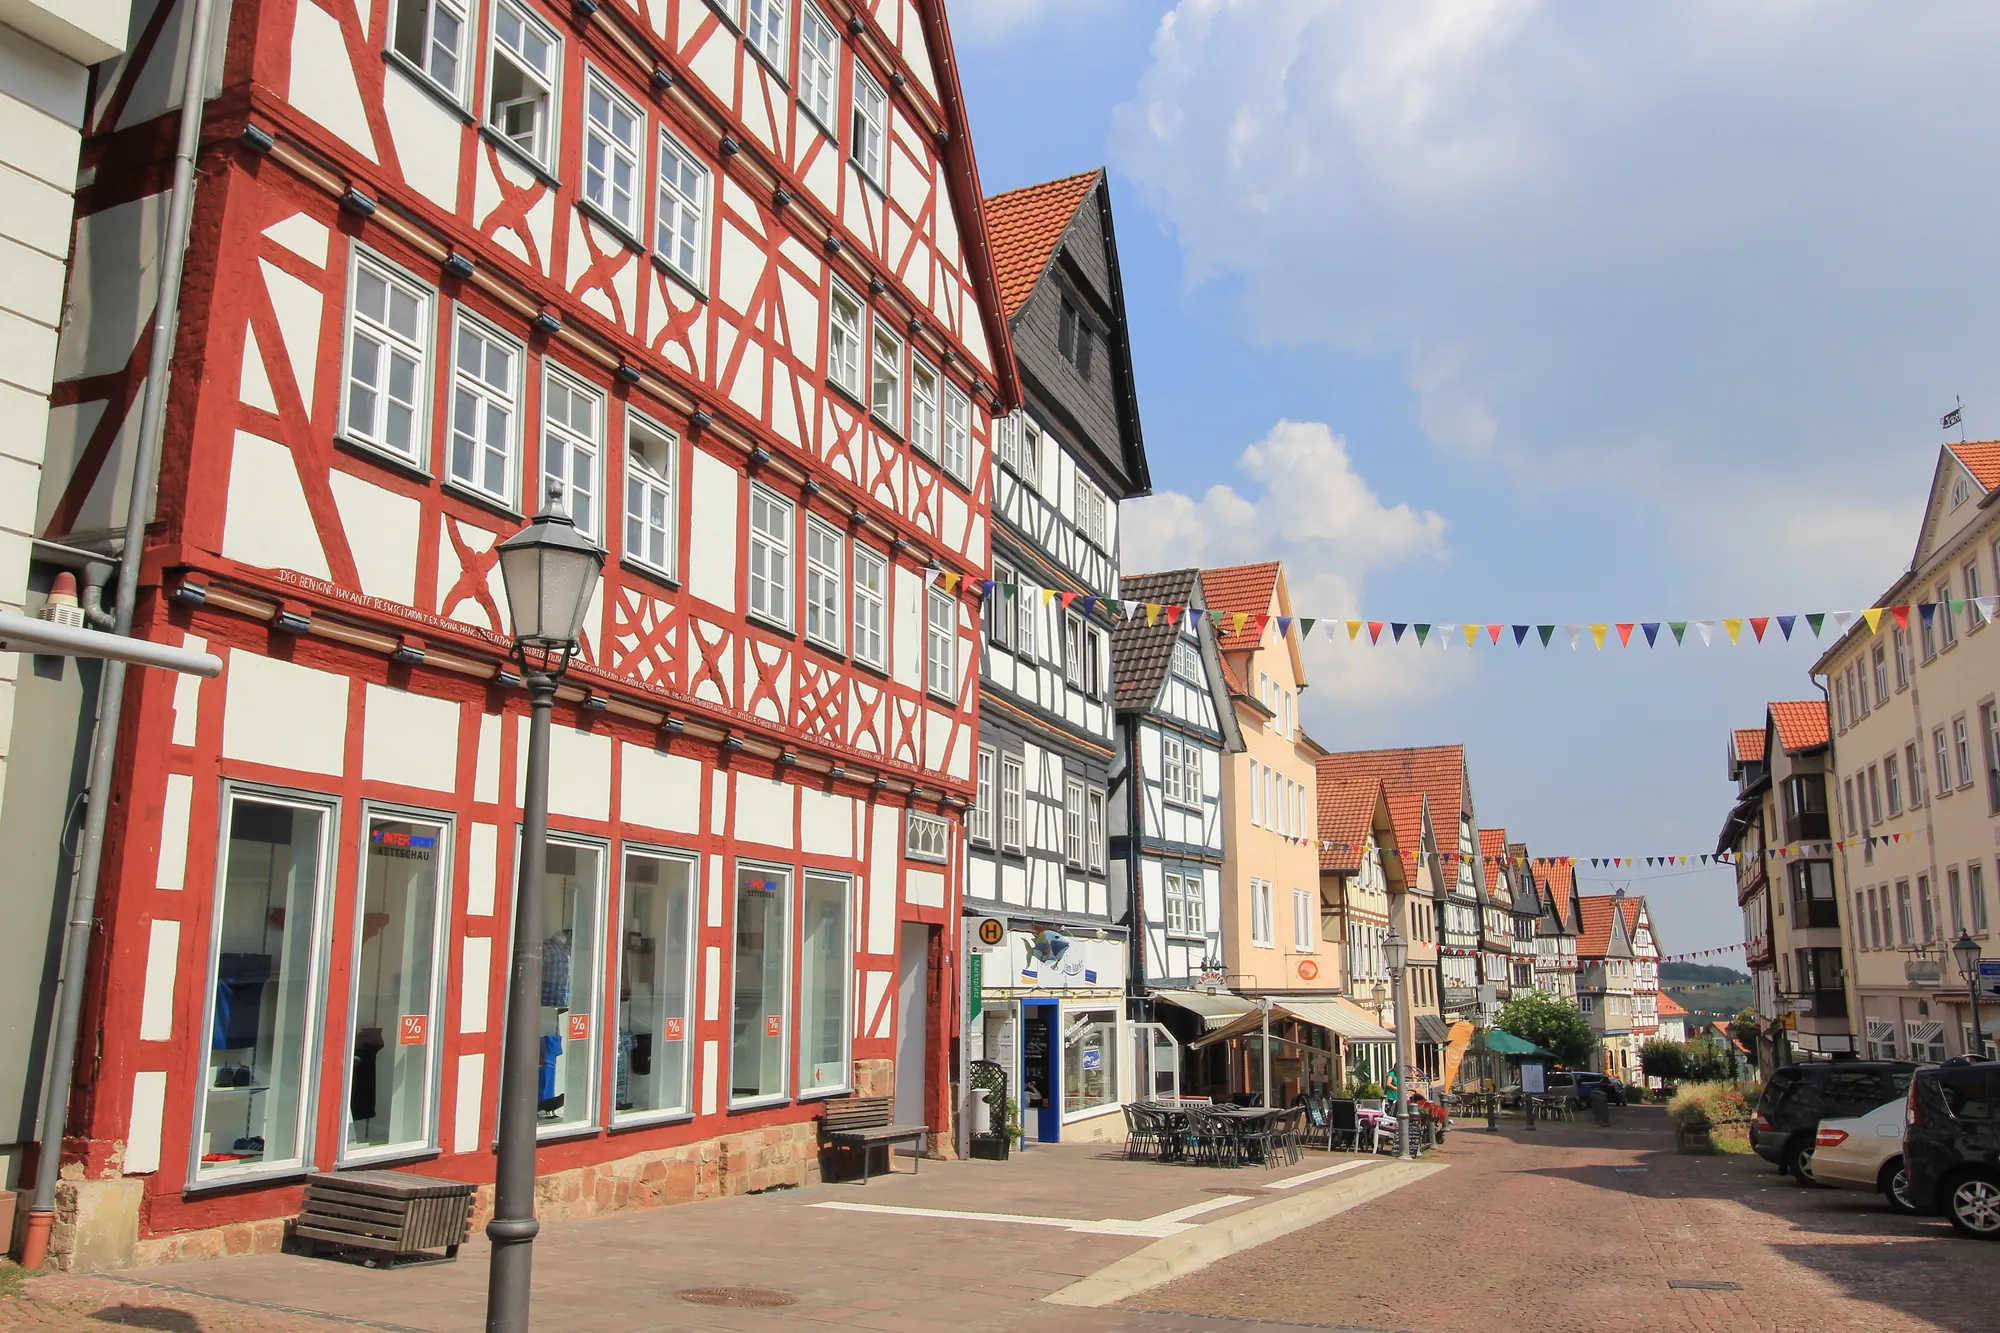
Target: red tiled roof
1233	681
1750	744
1633	902
1594	940
1346	818
1023	227
1406	813
1245	588
1801	724
1981	459
1492	843
1560	876
1669	1007
1438	771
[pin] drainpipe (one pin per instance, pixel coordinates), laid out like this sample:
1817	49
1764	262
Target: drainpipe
111	689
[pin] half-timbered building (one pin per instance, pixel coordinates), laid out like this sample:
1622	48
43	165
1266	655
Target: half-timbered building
713	271
1053	1004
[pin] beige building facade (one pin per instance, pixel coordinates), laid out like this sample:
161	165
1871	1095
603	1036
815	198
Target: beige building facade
1916	796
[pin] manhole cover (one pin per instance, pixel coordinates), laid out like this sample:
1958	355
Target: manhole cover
738	1297
1684	1284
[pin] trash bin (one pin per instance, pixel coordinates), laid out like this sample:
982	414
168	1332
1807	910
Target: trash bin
1600	1105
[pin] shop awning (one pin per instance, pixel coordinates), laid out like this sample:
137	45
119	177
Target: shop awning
1337	1016
1506	1043
1214	1010
1432	1029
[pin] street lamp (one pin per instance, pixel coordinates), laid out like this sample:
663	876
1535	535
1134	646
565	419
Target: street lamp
550	571
1966	951
1396	952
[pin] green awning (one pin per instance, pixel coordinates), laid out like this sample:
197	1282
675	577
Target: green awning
1506	1043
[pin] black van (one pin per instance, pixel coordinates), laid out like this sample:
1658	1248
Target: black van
1951	1144
1798	1097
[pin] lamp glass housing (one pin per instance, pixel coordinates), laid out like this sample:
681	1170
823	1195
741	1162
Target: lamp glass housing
1396	950
550	571
1966	951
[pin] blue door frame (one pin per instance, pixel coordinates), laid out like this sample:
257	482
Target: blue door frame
1040	1065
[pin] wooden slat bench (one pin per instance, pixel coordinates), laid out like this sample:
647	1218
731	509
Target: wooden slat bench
403	1216
864	1123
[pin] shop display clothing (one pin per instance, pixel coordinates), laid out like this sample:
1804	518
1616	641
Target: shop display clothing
555	971
368	1047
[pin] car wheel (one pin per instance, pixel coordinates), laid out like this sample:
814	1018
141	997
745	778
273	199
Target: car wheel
1895	1186
1799	1159
1972	1202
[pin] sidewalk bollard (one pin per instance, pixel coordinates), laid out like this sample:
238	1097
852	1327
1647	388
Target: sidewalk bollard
1600	1105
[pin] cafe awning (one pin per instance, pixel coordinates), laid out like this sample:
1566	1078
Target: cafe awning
1431	1028
1506	1043
1337	1016
1214	1010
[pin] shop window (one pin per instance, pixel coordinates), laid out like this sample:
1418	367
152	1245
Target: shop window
1090	1060
263	982
655	979
825	954
393	1033
572	908
757	1010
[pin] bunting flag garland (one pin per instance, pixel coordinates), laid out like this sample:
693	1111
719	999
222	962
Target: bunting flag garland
1700	953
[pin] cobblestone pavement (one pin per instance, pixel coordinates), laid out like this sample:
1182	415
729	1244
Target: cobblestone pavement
1578	1228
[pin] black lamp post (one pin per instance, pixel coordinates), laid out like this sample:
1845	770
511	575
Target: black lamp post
1396	952
550	571
1966	951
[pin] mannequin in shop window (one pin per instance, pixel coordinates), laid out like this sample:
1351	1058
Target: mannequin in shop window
556	955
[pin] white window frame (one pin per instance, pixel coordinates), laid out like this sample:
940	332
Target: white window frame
786	998
388	342
923	429
869	124
1170	770
680	216
1187	663
600	183
1256	794
765	30
549	81
649	488
1191	773
979	826
819	67
1173	891
486	397
1013	775
1261	925
926	837
1094	830
885	376
774	585
846	322
1000	615
1947	622
1961	743
1305	922
589	447
802	1072
1194	887
1073	649
826	579
1093	661
616	970
941	645
1974	618
955	434
454	88
871	607
1073	846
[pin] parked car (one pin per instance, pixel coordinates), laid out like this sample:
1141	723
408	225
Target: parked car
1865	1152
1798	1097
1952	1144
1576	1084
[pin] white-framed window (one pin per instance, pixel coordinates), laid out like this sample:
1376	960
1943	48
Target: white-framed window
389	328
430	34
1191	772
1262	927
923	406
819	65
871	604
1881	671
955	442
1974	618
612	125
524	81
1073	847
1942	757
1170	769
1961	741
1840	700
1093	661
825	579
870	127
1090	1061
651	454
1892	779
1174	891
1187	661
1256	794
485	408
1010	802
941	644
980	827
1305	923
680	231
826	961
1901	638
1975	888
999	614
1947	623
760	995
1073	649
1093	809
1093	513
1914	764
1928	627
764	30
1024	621
885	379
770	557
926	837
572	431
843	339
1194	912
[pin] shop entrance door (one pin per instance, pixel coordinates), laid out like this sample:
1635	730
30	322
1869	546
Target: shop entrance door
912	1021
1041	1096
1157	1062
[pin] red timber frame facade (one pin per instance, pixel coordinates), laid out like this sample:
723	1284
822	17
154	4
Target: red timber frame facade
725	708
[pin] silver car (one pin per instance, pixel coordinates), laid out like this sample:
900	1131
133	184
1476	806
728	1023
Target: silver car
1865	1152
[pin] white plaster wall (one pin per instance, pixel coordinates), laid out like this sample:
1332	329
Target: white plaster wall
409	739
711	573
283	714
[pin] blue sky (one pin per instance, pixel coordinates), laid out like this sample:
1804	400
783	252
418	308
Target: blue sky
1527	311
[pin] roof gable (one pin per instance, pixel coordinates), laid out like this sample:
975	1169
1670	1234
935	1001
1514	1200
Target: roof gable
1799	724
1026	225
1350	814
1603	934
1252	591
1435	771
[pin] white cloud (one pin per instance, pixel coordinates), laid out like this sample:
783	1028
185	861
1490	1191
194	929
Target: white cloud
1659	254
988	20
1309	508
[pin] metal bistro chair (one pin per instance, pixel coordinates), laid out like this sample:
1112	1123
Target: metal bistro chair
1212	1138
1146	1133
1290	1125
1343	1121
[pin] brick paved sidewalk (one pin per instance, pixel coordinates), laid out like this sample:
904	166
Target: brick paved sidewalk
868	1269
1575	1229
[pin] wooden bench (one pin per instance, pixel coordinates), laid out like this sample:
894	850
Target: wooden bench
864	1123
400	1216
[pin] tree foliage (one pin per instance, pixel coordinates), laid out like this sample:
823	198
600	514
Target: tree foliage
1549	1022
1667	1060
